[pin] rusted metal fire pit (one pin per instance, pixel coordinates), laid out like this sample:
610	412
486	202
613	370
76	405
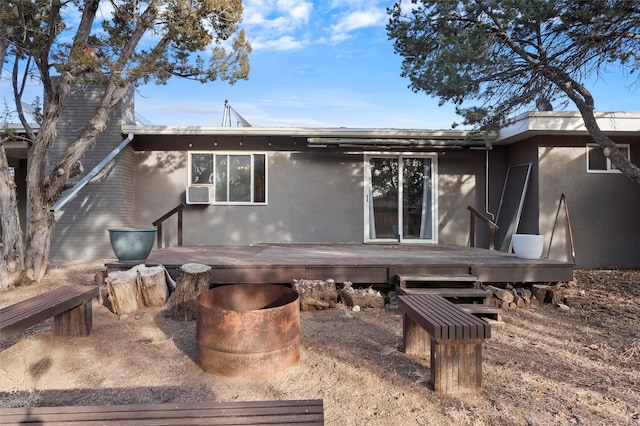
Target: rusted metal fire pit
248	330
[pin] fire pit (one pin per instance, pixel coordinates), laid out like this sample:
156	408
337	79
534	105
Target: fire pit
248	330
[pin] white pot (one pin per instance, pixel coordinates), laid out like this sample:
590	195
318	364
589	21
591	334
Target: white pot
528	246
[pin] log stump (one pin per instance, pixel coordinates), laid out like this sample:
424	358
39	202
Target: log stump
153	285
137	287
193	279
124	293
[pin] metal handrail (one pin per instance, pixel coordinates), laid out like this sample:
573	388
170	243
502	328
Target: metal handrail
158	224
472	228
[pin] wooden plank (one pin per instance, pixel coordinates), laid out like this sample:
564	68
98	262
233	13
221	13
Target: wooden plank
435	277
75	322
215	413
257	274
356	274
24	314
542	272
442	319
448	292
398	259
415	339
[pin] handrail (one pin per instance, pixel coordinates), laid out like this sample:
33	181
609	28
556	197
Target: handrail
472	228
158	224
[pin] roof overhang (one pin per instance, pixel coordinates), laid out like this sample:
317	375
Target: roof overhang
342	137
561	123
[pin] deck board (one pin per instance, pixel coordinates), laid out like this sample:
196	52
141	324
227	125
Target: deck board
358	263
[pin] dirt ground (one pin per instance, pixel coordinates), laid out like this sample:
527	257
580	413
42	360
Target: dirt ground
541	367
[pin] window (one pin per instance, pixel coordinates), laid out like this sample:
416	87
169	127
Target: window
235	178
598	163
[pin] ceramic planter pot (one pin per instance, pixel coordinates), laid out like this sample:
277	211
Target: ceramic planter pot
528	246
132	245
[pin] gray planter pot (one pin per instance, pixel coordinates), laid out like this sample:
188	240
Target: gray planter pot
132	245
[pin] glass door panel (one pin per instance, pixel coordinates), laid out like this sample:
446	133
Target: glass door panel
383	198
400	199
416	198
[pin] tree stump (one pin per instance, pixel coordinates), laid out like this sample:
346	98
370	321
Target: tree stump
137	287
124	293
153	285
194	278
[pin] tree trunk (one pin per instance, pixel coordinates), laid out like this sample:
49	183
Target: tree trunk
39	234
11	247
194	278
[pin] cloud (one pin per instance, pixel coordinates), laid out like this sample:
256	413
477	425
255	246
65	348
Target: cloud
287	25
280	44
355	20
276	24
281	16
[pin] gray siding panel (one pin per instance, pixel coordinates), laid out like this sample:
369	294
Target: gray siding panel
81	225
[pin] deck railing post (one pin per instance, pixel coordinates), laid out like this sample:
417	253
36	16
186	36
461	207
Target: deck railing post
158	224
180	227
472	231
159	235
472	228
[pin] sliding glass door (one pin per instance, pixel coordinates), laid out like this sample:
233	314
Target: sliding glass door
400	204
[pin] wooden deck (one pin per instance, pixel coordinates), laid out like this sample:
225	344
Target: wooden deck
366	264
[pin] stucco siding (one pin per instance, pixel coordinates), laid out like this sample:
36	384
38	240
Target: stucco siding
602	207
461	181
312	197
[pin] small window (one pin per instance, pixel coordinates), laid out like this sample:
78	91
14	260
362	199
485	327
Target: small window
236	178
598	163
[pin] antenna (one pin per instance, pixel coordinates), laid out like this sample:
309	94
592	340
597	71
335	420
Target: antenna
226	116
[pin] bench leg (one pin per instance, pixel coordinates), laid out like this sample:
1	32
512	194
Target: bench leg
74	322
415	340
456	366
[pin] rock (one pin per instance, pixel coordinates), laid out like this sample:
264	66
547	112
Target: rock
316	294
365	298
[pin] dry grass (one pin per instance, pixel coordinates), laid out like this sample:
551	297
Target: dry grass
541	367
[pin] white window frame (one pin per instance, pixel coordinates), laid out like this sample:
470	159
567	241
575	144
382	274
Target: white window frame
367	197
211	185
610	167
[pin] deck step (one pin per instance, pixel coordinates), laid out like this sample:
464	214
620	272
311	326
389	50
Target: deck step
482	310
436	277
472	293
437	280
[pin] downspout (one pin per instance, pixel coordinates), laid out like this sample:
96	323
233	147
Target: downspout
486	187
82	182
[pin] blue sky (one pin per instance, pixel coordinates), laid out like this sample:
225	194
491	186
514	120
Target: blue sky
325	63
322	63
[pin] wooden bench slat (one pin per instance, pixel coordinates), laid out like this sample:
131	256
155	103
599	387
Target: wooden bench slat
442	319
24	314
58	298
229	413
467	326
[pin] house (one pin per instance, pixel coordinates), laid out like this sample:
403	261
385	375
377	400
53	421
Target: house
247	185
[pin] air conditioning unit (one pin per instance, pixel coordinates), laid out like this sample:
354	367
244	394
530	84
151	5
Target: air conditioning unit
199	194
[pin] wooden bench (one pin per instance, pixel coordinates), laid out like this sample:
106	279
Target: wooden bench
453	337
69	305
295	412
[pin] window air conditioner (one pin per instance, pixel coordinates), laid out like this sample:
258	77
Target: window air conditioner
199	194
